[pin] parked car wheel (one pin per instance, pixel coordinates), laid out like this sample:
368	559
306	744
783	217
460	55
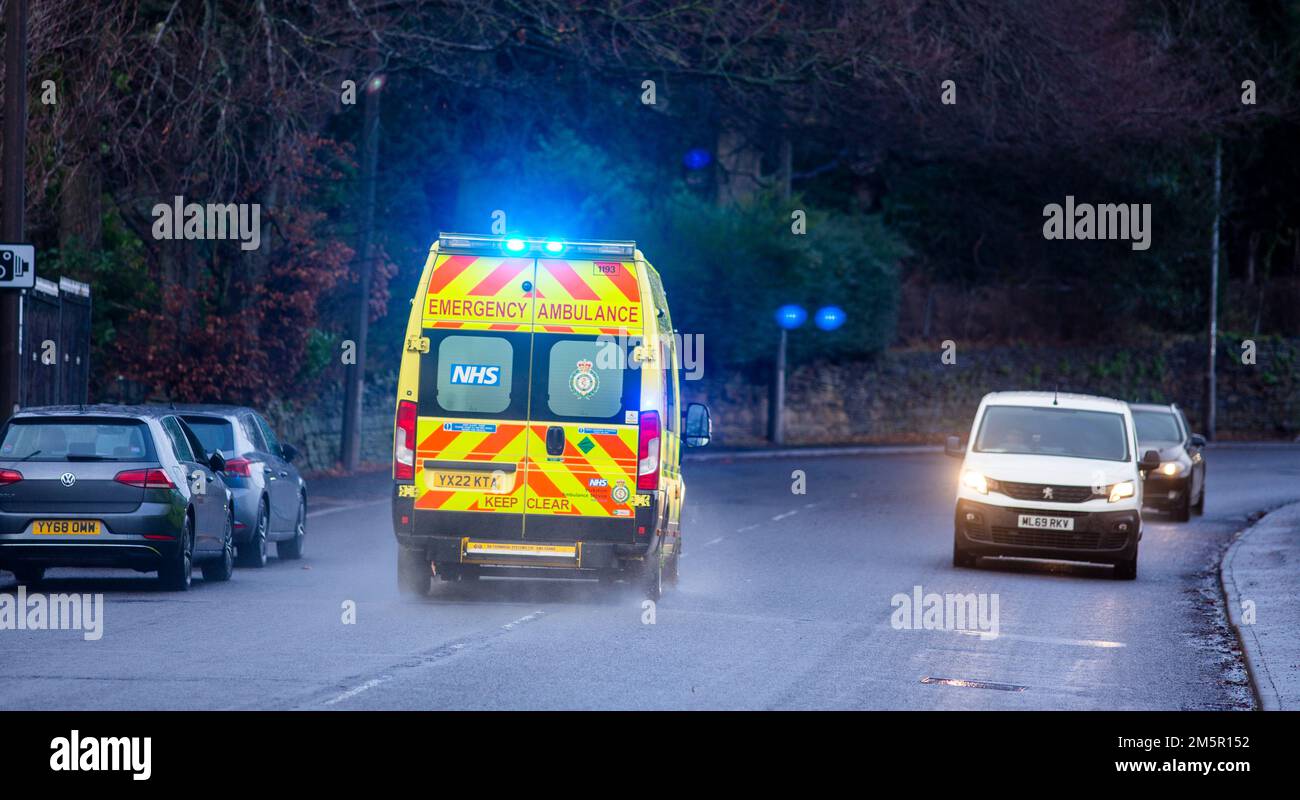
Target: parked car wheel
177	572
253	552
290	549
220	569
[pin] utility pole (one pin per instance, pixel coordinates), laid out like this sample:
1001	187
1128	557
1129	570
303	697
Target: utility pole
15	164
776	416
1210	392
354	397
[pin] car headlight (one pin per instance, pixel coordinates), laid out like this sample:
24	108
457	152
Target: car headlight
973	480
1172	469
1121	490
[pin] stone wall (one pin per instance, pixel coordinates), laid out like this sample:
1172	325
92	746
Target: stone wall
911	396
316	429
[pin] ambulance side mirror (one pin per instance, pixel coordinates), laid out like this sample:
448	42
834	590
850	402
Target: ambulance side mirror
698	426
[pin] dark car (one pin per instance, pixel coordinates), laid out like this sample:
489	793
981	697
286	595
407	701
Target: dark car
111	486
1178	485
270	496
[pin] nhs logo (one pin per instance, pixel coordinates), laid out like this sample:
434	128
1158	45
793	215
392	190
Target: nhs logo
475	374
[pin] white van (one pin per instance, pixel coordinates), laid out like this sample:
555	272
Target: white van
1048	475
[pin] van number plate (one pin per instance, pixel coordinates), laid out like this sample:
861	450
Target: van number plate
468	481
1046	523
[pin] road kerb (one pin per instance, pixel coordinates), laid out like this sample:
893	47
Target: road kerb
1254	568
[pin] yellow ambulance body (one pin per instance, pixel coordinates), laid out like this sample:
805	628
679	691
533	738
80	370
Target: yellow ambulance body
538	427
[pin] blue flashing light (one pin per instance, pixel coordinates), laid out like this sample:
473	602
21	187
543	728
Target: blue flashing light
554	247
791	317
830	318
514	245
697	159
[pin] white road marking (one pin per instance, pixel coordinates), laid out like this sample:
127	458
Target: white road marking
356	690
780	517
747	528
320	512
526	618
714	541
1102	643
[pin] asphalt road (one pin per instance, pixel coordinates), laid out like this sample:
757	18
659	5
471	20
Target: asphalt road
784	602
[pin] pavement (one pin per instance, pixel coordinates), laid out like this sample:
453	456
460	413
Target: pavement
1261	581
786	601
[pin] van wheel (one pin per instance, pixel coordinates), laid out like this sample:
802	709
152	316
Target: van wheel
654	579
1199	508
961	558
412	572
670	573
1127	569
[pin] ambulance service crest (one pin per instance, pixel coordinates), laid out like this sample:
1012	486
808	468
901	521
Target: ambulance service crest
584	382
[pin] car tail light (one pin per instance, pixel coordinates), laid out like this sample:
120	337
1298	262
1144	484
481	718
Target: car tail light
404	442
238	466
647	452
145	479
8	476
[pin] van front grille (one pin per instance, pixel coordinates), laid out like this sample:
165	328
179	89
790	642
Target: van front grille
1039	491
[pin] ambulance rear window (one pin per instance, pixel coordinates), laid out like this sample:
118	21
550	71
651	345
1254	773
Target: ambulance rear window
584	380
475	374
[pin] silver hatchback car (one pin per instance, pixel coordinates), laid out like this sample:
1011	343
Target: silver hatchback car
270	495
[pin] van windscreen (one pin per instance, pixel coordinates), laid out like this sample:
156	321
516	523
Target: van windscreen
1069	432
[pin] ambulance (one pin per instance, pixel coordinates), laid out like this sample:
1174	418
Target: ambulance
539	426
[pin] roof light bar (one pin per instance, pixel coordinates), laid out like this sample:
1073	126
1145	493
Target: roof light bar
477	243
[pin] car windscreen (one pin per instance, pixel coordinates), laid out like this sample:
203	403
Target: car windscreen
1073	433
215	433
81	439
1157	426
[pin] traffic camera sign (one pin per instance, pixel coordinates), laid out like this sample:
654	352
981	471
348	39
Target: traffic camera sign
17	266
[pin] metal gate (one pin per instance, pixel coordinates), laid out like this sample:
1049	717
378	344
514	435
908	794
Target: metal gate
54	344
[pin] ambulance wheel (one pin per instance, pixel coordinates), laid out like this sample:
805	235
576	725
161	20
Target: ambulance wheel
670	572
412	572
654	578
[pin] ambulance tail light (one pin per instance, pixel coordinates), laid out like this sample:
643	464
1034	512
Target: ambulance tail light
647	452
404	442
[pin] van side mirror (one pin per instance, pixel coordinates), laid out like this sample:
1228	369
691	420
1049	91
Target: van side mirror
697	427
952	447
1150	461
289	452
217	462
1198	440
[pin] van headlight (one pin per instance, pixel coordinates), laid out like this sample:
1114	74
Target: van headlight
974	480
1172	469
1121	490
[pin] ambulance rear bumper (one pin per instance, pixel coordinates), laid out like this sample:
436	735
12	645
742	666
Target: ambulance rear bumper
444	538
